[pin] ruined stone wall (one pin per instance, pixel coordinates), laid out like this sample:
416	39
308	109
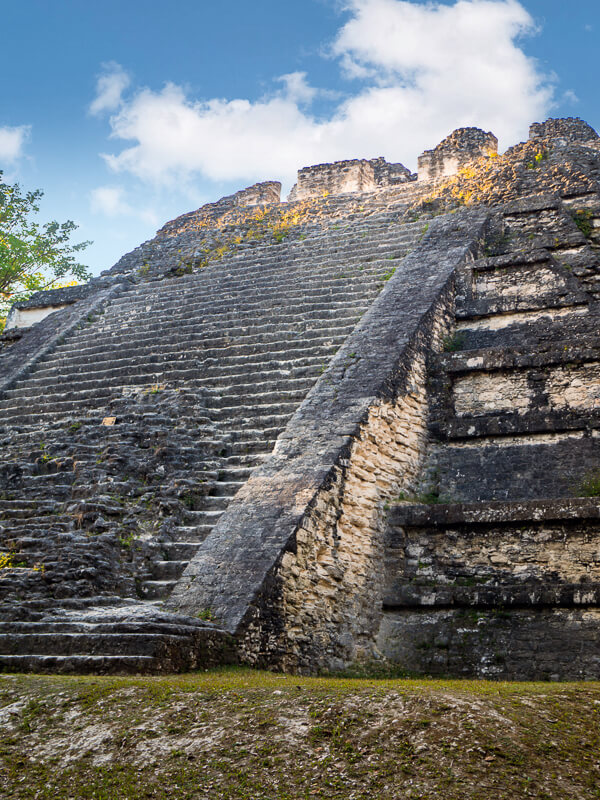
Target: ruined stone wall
331	581
259	194
341	177
461	148
570	129
346	177
503	467
566	387
492	568
552	556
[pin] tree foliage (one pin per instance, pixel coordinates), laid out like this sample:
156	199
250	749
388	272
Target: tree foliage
33	256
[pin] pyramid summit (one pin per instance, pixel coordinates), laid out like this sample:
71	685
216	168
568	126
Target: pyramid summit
358	425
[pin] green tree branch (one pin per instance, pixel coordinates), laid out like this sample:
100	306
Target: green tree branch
33	256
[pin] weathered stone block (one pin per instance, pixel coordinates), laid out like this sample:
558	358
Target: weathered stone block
570	129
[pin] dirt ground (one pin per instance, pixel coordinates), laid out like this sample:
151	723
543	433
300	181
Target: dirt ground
243	734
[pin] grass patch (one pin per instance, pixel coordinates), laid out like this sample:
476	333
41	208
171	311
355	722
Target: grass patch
536	161
432	497
589	486
453	342
583	219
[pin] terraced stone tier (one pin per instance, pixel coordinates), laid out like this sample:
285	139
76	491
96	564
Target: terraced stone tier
498	575
533	554
515	403
494	590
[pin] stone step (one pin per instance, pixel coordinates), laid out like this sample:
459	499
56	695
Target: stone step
226	274
226	488
324	251
320	248
213	369
182	550
283	305
281	291
89	643
251	435
351	275
79	664
24	530
503	306
271	353
156	589
324	254
232	341
60	484
199	531
168	570
266	417
32	505
25	527
288	310
213	503
276	349
285	300
20	512
326	238
204	517
194	380
213	397
236	439
272	402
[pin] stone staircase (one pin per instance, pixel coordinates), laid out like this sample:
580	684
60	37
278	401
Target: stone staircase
125	444
494	570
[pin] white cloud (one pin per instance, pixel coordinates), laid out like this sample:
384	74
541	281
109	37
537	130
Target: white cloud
109	89
223	139
111	201
422	70
108	200
12	142
570	97
297	88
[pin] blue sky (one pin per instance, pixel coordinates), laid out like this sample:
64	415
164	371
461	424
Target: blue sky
129	113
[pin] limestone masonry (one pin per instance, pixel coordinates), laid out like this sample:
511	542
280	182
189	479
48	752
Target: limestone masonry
360	425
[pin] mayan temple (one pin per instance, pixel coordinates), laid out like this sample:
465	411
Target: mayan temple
358	425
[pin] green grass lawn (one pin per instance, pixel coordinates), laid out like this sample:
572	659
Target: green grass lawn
243	734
